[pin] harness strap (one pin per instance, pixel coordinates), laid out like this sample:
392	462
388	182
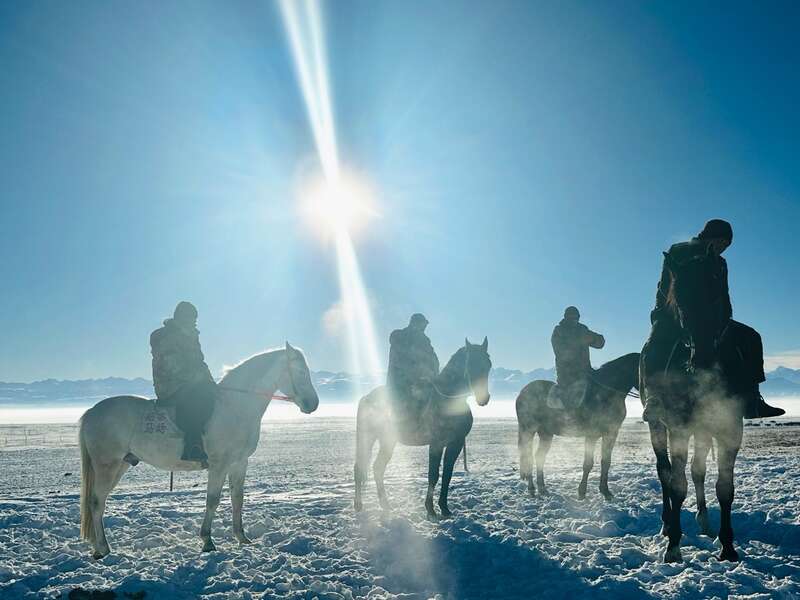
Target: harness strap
263	393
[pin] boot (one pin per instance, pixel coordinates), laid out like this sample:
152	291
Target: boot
756	408
193	450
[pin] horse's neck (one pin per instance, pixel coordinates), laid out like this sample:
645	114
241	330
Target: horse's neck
451	380
260	378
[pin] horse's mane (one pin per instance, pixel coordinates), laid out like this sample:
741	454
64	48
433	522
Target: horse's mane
251	362
453	370
615	370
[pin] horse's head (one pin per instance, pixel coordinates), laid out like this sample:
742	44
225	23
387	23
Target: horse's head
296	381
477	365
691	301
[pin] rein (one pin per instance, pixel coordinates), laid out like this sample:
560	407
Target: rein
263	393
630	392
467	377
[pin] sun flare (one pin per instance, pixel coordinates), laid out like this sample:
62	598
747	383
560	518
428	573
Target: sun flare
345	204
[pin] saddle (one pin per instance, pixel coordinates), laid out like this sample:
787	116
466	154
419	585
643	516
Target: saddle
569	397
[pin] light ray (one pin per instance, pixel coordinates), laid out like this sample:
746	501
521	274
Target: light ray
303	21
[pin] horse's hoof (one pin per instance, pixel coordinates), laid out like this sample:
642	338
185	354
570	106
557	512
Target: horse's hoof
729	554
673	555
607	495
358	506
432	516
245	541
705	526
581	494
446	512
97	555
532	492
209	546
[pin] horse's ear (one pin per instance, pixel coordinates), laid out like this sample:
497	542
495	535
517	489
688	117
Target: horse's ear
288	346
466	343
485	344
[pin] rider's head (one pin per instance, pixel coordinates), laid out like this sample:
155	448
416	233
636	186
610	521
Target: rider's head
718	234
418	321
571	314
185	314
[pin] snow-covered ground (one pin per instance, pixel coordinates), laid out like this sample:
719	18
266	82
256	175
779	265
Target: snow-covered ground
309	543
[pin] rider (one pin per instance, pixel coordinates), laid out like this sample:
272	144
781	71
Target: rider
571	341
412	366
734	338
182	378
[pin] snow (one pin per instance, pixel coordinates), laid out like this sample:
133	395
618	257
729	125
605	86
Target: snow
309	543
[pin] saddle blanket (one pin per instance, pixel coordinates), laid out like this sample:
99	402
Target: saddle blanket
560	396
160	421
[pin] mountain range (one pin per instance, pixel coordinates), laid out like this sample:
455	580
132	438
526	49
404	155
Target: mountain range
503	383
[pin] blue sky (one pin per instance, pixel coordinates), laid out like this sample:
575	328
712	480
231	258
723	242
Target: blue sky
527	156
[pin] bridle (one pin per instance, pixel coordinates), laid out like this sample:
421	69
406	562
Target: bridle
265	394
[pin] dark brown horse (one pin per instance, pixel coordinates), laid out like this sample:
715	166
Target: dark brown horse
443	428
600	417
697	401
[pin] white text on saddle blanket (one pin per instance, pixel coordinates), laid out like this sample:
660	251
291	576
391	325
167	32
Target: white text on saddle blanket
560	396
159	436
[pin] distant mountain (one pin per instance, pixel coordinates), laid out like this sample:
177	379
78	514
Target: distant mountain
66	391
503	383
792	375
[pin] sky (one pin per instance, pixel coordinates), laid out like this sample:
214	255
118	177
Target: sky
524	157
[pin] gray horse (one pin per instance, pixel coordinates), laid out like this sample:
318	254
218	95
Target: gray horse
443	429
600	417
113	435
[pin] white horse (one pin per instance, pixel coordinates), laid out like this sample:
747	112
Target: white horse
114	434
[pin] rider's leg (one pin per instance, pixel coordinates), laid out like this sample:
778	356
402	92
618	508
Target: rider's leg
743	352
192	410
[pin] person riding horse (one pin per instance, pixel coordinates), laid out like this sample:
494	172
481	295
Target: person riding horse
412	366
182	378
739	347
571	341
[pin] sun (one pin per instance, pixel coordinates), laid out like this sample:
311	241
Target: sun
343	205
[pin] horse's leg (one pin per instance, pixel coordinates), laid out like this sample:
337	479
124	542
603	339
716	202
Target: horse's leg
542	448
525	445
216	478
365	440
658	439
679	454
379	469
702	445
106	477
450	457
236	476
434	461
607	446
588	462
726	458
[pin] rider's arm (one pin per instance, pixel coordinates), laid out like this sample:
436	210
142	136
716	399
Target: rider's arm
595	340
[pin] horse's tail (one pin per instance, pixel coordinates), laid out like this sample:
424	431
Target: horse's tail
87	486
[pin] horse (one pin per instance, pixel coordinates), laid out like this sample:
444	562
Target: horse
698	401
444	427
599	417
112	437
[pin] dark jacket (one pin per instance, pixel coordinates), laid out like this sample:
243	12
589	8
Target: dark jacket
178	360
411	359
717	281
571	342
